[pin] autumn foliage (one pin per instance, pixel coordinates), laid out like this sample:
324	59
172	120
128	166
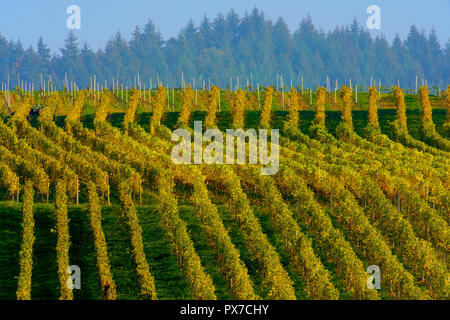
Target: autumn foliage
426	105
293	117
347	106
373	108
158	109
401	108
320	107
264	121
133	105
63	240
26	251
95	216
187	98
212	101
238	101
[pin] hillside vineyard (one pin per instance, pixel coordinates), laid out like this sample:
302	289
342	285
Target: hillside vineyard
87	180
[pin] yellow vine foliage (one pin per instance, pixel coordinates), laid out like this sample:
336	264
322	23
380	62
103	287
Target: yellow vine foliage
26	251
347	106
447	114
51	105
301	101
276	280
102	113
238	109
187	100
63	240
447	103
3	104
146	280
251	101
23	108
15	100
264	121
133	105
293	117
9	179
77	109
210	120
104	270
297	245
27	168
428	129
158	109
401	107
201	284
373	108
233	269
426	105
320	228
320	107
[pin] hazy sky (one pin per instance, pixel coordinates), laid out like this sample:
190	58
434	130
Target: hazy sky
100	19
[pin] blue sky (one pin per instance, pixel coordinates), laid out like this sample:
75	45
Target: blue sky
100	19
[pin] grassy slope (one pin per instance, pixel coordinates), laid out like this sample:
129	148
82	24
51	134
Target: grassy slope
169	281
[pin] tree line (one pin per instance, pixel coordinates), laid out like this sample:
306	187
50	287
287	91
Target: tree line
231	50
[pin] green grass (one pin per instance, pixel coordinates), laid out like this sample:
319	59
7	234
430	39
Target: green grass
208	258
82	253
169	281
45	283
237	239
120	254
10	239
276	242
